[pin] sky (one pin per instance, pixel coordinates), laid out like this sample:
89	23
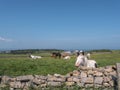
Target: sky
59	24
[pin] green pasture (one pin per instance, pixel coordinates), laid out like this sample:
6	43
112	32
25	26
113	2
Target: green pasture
19	64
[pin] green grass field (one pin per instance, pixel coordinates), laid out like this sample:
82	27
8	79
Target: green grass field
14	65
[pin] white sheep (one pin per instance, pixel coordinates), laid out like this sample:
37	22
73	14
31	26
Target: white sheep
83	61
67	57
35	57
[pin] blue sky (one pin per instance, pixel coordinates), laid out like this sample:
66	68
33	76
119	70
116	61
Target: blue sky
60	24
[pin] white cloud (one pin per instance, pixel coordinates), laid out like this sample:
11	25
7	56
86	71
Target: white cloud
5	39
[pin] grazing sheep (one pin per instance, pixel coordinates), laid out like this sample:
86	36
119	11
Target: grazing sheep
55	55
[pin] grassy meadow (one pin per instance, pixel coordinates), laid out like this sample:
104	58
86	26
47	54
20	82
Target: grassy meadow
21	64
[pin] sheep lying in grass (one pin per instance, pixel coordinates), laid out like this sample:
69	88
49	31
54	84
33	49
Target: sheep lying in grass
83	61
67	57
35	57
91	63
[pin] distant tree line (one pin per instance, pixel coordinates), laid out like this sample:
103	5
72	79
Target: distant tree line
27	51
101	50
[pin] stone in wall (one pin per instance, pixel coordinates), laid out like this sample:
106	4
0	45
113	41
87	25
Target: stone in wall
25	78
76	73
69	83
87	80
5	79
98	80
83	74
55	84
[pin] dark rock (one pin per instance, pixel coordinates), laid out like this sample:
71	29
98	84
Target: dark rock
25	78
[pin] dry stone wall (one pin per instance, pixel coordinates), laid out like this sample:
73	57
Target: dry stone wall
105	77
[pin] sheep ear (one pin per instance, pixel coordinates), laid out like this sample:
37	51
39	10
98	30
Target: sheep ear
96	65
